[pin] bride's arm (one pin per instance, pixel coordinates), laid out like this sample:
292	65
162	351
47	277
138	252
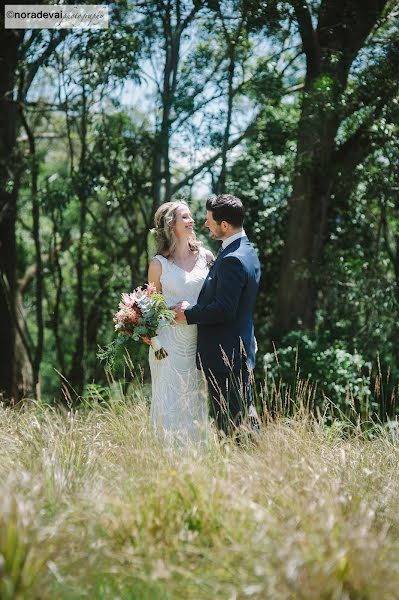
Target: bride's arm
154	274
209	257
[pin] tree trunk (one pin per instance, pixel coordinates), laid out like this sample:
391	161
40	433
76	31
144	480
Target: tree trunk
77	375
58	283
173	28
38	352
307	221
221	187
14	350
10	41
330	51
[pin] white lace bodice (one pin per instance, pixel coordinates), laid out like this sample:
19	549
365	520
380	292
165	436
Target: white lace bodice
178	284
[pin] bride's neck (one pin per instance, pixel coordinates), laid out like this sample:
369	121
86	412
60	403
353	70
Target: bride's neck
182	249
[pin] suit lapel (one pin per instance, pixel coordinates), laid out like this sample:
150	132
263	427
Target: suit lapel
231	247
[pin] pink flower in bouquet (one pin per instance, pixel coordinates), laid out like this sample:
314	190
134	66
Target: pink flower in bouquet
133	316
150	289
122	314
128	300
125	316
141	313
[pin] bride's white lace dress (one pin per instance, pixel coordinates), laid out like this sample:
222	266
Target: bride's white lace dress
179	391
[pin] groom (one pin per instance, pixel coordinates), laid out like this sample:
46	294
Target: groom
223	313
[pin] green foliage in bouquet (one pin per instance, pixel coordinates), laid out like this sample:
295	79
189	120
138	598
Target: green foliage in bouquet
140	315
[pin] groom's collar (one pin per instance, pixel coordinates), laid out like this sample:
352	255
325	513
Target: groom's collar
233	238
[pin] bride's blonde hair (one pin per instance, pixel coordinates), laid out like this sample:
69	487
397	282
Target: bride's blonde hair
164	219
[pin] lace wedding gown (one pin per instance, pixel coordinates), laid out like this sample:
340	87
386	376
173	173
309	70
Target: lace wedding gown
179	391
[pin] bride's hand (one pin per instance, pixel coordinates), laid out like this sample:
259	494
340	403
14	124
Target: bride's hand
179	309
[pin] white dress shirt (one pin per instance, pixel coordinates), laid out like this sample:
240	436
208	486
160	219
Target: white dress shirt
232	238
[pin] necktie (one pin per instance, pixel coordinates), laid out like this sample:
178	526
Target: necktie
216	257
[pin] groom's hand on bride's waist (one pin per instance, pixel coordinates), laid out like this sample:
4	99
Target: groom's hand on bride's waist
179	309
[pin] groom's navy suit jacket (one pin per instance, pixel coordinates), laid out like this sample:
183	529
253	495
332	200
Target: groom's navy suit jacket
224	310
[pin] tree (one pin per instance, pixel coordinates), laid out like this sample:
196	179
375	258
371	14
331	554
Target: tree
14	47
10	42
331	49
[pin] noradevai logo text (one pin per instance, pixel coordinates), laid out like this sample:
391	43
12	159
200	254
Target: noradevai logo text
50	16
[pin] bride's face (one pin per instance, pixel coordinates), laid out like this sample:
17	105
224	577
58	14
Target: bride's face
184	224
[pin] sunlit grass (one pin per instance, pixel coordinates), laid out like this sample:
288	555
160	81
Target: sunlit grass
94	506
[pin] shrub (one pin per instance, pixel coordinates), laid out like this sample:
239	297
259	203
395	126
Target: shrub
338	375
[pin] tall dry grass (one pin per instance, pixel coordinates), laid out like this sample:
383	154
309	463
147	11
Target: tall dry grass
94	506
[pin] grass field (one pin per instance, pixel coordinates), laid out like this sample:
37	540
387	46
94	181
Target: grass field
93	506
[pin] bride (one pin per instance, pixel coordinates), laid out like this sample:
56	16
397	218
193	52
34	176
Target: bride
179	269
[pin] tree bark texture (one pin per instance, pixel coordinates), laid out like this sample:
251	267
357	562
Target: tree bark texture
10	41
330	50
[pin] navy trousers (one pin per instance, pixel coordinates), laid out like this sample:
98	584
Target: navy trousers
230	398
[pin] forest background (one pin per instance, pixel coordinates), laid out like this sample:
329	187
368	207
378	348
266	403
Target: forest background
291	105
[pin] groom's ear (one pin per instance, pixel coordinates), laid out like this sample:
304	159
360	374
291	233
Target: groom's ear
225	226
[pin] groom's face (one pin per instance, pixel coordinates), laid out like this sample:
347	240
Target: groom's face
215	229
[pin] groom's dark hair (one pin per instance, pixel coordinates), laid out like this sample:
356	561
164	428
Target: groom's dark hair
226	208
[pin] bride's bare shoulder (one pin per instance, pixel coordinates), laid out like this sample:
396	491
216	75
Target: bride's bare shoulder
155	272
157	261
155	266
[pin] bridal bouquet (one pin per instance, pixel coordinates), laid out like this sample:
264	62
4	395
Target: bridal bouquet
141	313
